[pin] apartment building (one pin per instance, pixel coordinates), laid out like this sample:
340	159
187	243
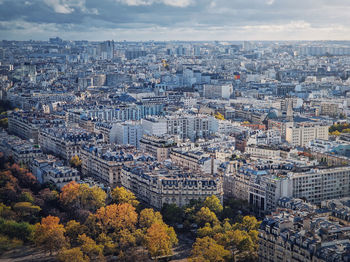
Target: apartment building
156	184
104	162
302	134
64	142
316	185
301	232
49	169
157	146
26	125
129	133
21	151
196	160
263	152
330	109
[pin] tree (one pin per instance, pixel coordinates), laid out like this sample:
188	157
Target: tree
206	249
250	223
50	234
81	196
149	217
73	230
75	162
72	255
90	248
172	214
158	241
69	196
19	230
204	215
116	217
91	198
25	209
213	203
121	195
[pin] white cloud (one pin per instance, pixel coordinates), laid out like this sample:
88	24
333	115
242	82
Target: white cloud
176	3
59	6
68	6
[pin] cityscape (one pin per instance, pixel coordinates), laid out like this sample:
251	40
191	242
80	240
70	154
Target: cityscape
133	146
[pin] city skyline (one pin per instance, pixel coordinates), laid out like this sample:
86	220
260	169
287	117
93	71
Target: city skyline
185	20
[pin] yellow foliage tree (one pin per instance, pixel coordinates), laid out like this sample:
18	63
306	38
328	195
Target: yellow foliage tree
116	217
207	249
72	255
158	240
121	195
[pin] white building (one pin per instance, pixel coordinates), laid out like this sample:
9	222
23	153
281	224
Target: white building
129	133
301	135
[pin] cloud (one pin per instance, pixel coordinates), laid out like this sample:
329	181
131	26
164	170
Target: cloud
175	3
69	6
176	19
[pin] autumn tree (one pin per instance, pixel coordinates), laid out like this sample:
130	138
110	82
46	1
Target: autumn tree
213	203
50	234
73	230
204	215
149	217
116	217
90	248
72	255
207	249
121	195
75	162
81	196
26	209
160	239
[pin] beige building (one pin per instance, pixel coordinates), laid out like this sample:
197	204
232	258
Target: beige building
262	152
105	162
156	146
159	185
302	134
63	142
196	160
330	109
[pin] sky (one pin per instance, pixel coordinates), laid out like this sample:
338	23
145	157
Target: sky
159	20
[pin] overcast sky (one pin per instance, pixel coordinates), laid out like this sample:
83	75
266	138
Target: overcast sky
175	19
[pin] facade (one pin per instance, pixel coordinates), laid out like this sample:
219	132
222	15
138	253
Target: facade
171	186
300	232
158	147
301	135
154	126
195	160
64	142
128	133
262	152
51	170
105	162
217	91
